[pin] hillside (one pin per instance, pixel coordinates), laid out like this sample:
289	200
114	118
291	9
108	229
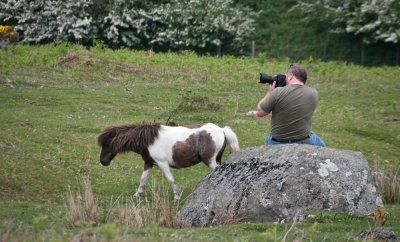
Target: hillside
56	99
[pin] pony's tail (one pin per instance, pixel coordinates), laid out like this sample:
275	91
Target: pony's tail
232	139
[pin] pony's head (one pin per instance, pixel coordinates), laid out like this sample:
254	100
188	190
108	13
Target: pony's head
105	140
117	139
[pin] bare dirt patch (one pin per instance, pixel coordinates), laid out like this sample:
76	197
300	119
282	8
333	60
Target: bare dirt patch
80	60
192	102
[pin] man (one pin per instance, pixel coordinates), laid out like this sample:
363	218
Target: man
292	108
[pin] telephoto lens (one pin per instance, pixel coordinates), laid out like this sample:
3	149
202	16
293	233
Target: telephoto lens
279	79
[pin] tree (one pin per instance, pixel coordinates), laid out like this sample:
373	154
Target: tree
372	20
280	33
123	25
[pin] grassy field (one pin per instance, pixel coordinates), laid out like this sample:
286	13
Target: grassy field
55	100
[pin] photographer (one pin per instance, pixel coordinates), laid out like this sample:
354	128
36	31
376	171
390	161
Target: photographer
292	108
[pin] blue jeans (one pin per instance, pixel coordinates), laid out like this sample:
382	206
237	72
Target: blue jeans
313	140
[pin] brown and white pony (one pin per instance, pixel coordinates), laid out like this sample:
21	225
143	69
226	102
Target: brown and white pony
167	146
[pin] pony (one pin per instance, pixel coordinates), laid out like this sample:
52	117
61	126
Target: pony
167	147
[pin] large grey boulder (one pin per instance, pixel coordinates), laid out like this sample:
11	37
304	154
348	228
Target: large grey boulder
281	183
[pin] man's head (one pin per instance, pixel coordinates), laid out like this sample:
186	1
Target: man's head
298	71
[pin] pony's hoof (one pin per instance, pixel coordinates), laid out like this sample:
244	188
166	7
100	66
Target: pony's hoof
178	195
138	194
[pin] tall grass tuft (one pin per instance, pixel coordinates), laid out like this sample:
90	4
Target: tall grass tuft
388	182
82	213
74	209
90	204
158	209
163	210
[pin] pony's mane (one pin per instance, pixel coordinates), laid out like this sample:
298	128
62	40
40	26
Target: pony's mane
136	137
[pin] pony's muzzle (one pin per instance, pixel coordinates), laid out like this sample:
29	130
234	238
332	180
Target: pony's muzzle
105	162
106	156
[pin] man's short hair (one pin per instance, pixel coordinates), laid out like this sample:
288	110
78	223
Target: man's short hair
298	71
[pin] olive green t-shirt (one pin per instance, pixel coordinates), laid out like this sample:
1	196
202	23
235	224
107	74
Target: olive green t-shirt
292	108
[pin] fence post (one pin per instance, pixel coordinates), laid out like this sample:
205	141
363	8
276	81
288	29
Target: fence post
362	52
253	49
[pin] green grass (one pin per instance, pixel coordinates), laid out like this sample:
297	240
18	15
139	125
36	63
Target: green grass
52	107
42	222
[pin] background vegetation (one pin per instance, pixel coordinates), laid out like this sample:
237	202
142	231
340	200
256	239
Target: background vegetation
362	32
348	31
55	100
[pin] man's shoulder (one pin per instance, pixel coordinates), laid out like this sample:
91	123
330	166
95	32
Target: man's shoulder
308	87
295	89
304	88
311	89
291	87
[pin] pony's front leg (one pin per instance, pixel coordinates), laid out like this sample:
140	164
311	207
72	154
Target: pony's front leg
164	166
143	180
213	164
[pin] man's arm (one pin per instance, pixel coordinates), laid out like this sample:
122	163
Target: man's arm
259	111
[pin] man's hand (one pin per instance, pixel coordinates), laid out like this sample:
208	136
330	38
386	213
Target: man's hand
272	86
251	113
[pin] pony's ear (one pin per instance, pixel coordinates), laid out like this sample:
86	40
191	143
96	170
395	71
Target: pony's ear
106	135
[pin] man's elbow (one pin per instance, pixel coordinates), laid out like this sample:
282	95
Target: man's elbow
260	113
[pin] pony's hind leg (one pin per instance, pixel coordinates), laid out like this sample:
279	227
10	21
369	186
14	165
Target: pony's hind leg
143	180
164	166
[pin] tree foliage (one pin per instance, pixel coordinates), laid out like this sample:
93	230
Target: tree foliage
280	33
47	21
284	30
373	20
183	24
122	26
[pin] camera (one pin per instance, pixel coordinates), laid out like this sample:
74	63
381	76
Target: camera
280	79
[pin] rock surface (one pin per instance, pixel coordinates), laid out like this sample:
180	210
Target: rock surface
381	234
281	183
